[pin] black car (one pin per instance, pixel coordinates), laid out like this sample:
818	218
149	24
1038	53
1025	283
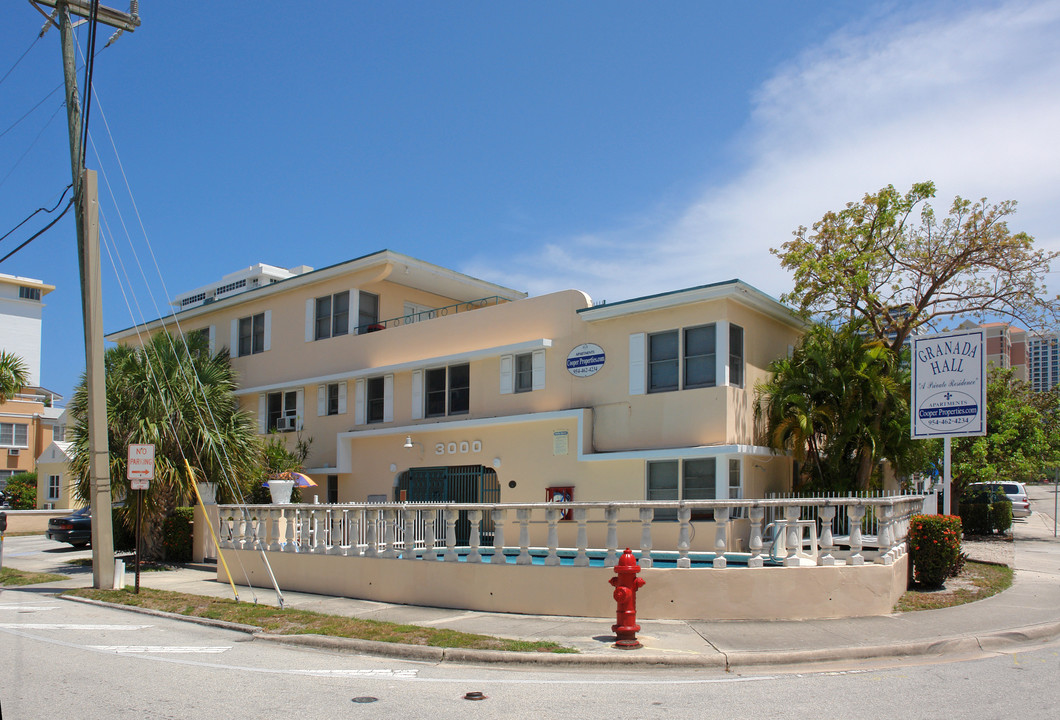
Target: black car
75	528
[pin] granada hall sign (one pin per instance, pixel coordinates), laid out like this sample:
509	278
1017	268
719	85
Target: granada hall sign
949	385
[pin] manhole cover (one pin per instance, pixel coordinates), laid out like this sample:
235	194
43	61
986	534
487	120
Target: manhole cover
474	696
365	699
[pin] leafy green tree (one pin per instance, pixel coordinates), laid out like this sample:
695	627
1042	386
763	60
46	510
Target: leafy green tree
1023	435
180	398
276	458
21	491
14	375
839	404
873	260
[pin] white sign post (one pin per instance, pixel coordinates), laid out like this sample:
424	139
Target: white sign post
948	391
140	469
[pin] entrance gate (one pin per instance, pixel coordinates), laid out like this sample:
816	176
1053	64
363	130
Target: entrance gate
453	484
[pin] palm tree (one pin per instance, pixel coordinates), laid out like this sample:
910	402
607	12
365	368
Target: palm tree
839	405
14	375
179	397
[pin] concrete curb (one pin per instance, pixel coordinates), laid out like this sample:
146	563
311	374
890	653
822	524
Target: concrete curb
222	624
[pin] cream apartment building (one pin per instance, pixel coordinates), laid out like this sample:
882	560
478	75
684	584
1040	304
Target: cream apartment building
417	382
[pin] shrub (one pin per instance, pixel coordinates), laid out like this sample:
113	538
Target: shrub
21	491
936	547
176	535
975	517
124	537
1001	515
986	511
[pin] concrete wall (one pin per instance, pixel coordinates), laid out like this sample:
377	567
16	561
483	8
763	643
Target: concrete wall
31	521
795	593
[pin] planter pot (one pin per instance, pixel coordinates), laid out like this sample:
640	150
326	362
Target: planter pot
281	491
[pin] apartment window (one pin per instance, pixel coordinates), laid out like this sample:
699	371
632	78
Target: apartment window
735	355
29	293
682	359
252	335
375	399
735	491
447	391
282	411
14	435
367	311
333	399
692	479
332	315
59	433
524	372
53	487
333	489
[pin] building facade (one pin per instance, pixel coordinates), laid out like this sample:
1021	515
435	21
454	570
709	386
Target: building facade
418	383
28	420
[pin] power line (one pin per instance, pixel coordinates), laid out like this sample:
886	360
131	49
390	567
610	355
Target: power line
90	64
19	60
39	232
38	210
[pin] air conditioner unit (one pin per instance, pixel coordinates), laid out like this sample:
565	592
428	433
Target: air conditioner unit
286	424
14	452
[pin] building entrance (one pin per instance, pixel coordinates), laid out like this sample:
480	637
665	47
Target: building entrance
453	484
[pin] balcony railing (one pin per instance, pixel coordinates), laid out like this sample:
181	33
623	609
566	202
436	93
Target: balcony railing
803	533
431	314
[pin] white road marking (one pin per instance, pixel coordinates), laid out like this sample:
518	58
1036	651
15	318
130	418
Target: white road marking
27	608
158	649
68	626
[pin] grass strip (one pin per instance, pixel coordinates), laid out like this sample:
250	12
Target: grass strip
289	621
985	579
10	577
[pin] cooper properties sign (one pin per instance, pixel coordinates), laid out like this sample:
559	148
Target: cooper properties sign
948	385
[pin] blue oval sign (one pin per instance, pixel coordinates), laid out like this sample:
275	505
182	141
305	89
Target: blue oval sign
585	360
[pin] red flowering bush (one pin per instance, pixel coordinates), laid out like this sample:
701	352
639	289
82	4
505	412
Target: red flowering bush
935	545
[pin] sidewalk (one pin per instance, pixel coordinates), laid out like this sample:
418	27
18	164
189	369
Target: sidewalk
1028	611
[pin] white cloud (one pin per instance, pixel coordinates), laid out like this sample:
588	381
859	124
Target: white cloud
965	97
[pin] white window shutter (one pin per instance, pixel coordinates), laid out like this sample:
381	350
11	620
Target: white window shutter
417	394
507	374
213	339
268	329
233	349
638	347
310	319
322	400
355	310
262	408
388	398
358	403
299	407
538	365
721	352
342	398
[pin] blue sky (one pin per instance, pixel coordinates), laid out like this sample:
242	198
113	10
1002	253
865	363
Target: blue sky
621	148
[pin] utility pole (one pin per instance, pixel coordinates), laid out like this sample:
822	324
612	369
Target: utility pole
87	205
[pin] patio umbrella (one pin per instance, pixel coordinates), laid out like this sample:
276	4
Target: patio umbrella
300	479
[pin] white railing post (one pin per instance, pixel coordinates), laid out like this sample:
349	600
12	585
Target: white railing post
523	516
353	531
408	534
826	513
794	542
390	533
756	515
721	539
552	518
581	559
475	518
684	535
316	531
499	518
290	519
371	547
886	536
439	533
646	516
611	514
333	533
256	530
856	514
241	532
274	522
304	539
430	516
450	535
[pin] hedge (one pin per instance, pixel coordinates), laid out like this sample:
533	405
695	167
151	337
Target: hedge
177	536
935	541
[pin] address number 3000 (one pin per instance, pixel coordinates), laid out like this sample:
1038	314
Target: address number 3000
458	448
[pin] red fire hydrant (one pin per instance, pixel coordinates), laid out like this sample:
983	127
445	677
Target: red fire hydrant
626	585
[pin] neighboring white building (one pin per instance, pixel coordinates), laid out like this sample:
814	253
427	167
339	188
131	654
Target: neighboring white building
21	308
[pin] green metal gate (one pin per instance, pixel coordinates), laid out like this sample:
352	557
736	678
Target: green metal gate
453	484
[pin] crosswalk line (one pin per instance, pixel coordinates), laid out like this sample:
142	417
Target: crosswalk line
161	649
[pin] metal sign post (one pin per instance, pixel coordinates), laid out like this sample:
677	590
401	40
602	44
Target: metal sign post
948	392
140	469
